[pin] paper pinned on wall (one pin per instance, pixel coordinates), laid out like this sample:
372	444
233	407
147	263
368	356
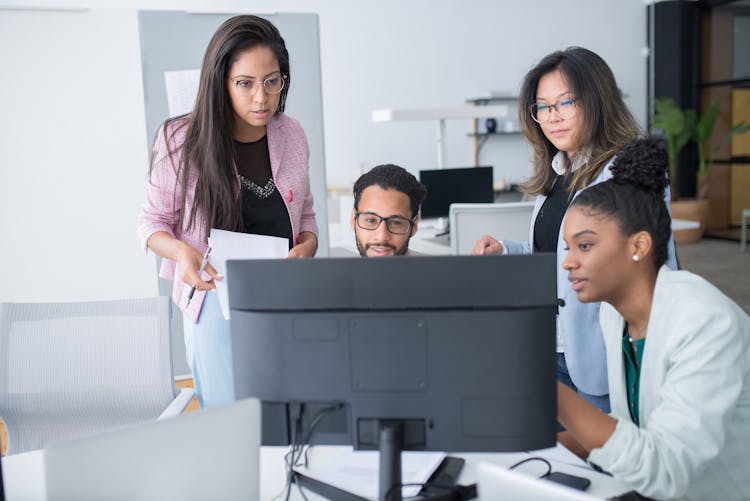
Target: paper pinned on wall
182	87
226	245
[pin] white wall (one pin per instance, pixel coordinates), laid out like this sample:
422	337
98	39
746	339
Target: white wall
72	138
73	157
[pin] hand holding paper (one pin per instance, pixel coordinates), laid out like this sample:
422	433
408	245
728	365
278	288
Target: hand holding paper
226	245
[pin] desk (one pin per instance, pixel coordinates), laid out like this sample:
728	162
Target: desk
24	473
684	224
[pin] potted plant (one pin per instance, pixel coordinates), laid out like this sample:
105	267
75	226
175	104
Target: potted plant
702	135
679	127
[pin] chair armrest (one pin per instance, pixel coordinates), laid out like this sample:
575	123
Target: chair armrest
178	404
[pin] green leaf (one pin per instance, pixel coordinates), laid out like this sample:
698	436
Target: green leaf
668	117
705	126
738	130
689	120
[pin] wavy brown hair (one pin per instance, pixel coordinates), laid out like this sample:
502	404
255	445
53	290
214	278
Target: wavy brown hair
605	122
208	149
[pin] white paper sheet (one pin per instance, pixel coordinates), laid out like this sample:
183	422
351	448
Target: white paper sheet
182	87
357	471
226	245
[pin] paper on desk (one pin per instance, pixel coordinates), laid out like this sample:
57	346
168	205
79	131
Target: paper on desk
226	245
357	471
182	87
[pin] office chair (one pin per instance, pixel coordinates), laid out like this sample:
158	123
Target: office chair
507	221
73	369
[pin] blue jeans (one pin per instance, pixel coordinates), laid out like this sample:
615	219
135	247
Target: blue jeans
599	401
208	346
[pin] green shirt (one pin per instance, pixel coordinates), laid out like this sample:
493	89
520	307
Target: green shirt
632	355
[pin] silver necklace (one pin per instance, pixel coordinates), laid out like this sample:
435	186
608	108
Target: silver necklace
261	191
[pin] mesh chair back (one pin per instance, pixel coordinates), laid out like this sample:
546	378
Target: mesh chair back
72	369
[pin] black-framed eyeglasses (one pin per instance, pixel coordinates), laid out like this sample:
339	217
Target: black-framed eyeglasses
272	85
396	224
542	112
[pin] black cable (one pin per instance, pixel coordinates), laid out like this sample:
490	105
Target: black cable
534	458
289	457
301	492
462	492
297	447
313	424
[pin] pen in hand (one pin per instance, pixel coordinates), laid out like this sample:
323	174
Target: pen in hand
200	271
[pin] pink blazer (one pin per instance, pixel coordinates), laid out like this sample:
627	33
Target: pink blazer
289	153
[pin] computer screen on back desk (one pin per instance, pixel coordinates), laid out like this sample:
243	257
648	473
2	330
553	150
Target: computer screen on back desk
457	185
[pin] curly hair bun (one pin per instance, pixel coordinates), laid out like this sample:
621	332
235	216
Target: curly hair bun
643	163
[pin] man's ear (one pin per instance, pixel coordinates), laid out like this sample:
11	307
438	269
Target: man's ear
414	226
351	219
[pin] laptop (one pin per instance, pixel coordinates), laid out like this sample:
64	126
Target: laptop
211	454
499	483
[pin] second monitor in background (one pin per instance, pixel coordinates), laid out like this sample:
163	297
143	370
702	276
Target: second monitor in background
459	185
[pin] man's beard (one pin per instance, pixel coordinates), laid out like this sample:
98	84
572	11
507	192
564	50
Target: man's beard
396	252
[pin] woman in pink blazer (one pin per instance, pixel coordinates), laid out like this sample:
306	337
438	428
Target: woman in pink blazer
237	163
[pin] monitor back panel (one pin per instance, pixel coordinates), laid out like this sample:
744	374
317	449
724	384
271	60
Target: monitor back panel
430	338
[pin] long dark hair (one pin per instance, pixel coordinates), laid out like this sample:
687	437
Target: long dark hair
634	197
605	123
208	149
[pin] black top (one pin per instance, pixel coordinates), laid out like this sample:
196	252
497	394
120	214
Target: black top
550	216
263	209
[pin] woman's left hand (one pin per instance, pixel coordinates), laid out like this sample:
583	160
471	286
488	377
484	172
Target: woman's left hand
307	246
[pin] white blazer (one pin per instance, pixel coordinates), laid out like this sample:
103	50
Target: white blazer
694	400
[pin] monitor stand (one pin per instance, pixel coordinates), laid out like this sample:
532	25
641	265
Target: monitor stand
391	441
390	445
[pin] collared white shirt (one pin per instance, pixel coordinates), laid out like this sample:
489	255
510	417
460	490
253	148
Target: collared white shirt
560	161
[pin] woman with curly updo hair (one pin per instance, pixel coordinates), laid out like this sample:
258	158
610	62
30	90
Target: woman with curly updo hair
678	350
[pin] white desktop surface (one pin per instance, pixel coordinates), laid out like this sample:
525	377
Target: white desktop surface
684	224
24	474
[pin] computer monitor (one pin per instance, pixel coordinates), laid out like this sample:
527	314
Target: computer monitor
456	352
458	185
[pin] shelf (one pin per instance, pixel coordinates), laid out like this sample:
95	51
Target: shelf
733	160
441	115
482	101
480	138
498	133
390	115
736	82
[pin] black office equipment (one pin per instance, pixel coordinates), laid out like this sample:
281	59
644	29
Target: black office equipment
459	185
2	488
446	475
572	481
427	353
